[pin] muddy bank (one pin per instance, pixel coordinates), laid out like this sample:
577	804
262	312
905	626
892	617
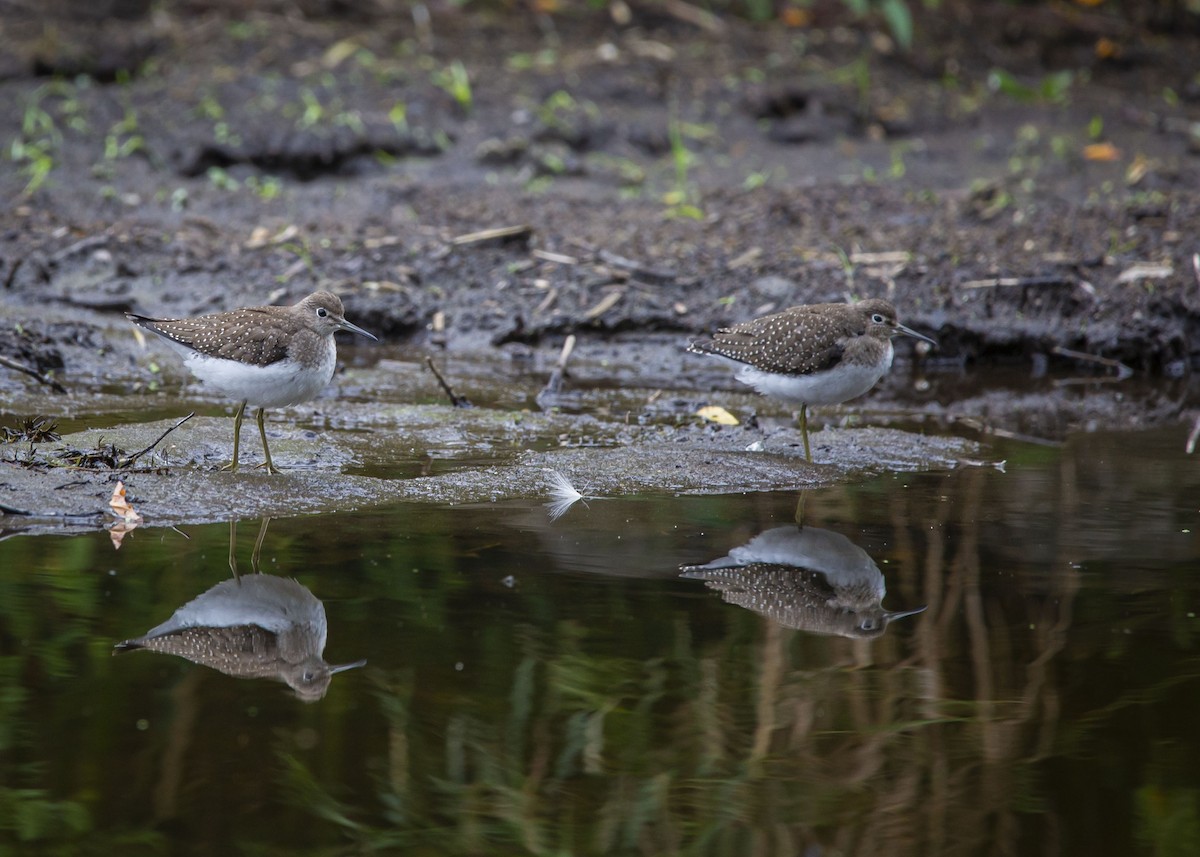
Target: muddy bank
671	177
180	481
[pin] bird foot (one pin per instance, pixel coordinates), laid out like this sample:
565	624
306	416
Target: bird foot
231	467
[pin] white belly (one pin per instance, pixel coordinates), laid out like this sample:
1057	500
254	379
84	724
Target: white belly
281	383
819	388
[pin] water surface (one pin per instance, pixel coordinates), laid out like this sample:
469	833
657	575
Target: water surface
539	687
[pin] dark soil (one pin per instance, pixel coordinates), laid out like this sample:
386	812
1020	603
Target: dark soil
671	177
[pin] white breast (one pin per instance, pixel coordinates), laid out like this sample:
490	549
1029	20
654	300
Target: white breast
819	388
282	383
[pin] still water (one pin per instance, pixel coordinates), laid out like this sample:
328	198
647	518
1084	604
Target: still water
583	686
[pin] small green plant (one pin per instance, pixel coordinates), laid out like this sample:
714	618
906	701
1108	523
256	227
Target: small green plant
755	179
313	112
681	199
222	180
35	147
350	119
857	73
455	81
546	58
265	188
303	253
398	116
1052	88
209	108
123	138
895	12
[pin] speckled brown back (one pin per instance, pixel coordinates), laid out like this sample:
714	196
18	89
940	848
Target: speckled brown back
800	340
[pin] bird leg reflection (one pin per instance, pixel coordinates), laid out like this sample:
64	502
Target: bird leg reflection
800	509
254	555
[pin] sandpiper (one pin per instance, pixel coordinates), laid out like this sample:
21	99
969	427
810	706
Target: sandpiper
816	354
805	578
266	356
254	626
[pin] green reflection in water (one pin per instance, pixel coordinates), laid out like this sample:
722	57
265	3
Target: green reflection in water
559	689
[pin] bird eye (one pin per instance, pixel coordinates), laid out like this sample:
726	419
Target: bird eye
877	318
322	312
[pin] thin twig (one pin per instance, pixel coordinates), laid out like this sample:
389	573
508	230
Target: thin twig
81	246
554	385
645	272
1123	371
557	258
12	273
500	234
32	373
455	399
604	304
695	16
996	431
128	462
1013	282
25	513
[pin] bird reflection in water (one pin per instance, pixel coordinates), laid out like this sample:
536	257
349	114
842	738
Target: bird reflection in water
805	578
251	626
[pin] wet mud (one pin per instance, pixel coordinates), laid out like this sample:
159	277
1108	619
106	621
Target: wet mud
479	186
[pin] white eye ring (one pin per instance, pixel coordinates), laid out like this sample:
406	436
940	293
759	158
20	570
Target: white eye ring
877	318
321	312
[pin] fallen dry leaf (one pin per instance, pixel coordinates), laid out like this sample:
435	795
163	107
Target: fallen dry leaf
1101	152
128	518
120	505
717	414
118	531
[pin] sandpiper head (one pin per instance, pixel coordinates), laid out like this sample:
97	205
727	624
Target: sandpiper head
310	678
881	321
868	624
328	316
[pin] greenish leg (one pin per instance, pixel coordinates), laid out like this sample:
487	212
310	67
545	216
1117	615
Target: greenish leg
804	431
258	543
237	433
262	432
233	548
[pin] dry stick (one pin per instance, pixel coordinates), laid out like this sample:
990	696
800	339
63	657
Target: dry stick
558	258
554	385
128	462
1009	282
996	431
81	246
33	373
25	513
645	272
1123	371
12	273
499	234
455	399
697	17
